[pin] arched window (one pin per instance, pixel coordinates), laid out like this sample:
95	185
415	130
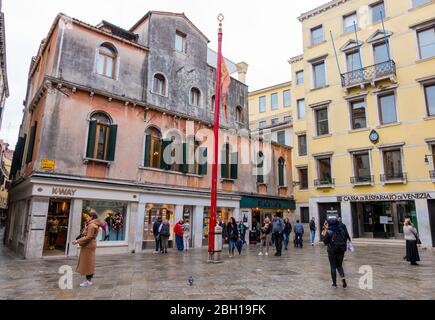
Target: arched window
239	114
195	96
281	175
106	60
153	148
101	137
260	166
229	165
159	84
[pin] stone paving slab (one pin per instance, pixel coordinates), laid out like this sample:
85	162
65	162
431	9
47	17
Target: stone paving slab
298	274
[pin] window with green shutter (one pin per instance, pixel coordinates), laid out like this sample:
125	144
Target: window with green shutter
101	138
165	156
184	167
281	179
202	171
260	165
31	146
153	148
234	165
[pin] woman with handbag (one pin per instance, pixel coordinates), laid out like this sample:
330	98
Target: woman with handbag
265	236
88	245
412	241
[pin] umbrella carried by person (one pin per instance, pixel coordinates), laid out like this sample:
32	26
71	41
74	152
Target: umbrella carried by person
239	246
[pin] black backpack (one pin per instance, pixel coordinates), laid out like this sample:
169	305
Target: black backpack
339	241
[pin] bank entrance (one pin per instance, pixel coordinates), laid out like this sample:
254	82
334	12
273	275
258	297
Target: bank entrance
382	220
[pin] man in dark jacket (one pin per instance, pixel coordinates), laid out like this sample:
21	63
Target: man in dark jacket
277	234
313	229
156	233
299	234
335	237
222	224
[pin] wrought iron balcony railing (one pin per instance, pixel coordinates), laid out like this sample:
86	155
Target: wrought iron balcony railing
324	182
368	74
400	176
432	175
362	180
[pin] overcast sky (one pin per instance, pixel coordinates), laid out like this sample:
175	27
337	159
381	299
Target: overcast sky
265	34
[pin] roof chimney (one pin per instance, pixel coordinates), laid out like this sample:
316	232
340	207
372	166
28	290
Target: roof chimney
242	70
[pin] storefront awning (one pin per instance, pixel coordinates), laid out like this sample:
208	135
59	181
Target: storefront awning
267	203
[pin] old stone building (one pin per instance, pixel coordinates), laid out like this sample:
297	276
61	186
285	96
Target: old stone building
105	108
4	88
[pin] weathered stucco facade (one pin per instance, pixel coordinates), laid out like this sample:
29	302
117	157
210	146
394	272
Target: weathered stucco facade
68	162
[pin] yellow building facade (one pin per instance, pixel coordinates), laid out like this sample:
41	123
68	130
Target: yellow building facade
364	116
270	109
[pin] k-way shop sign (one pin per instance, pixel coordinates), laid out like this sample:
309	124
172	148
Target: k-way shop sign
386	197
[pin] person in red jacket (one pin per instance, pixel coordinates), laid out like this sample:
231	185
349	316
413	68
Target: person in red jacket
178	230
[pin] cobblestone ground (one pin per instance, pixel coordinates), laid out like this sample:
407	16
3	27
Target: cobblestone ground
298	274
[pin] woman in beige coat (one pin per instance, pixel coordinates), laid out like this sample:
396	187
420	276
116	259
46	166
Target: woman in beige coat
88	245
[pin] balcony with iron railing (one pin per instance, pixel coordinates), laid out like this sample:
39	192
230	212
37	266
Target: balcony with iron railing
369	75
362	180
398	177
324	183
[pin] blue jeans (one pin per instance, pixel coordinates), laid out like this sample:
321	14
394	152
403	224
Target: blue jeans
286	240
231	246
179	242
313	235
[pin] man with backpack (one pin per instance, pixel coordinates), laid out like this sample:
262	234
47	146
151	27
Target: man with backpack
335	237
277	234
299	234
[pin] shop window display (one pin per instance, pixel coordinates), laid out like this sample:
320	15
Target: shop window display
152	214
113	216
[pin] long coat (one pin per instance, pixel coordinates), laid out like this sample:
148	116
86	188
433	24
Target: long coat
88	245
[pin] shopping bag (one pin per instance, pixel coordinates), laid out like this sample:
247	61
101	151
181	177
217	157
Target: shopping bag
350	247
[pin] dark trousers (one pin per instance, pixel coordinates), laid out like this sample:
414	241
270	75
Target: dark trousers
179	242
52	237
158	244
336	263
89	277
277	240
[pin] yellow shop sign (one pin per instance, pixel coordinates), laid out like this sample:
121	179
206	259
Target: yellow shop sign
48	165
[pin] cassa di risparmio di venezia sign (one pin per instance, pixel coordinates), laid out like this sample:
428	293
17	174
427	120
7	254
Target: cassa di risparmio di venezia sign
386	197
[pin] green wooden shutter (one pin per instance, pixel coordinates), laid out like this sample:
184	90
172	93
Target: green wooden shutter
111	145
147	161
234	165
224	164
31	143
163	164
17	159
202	170
184	167
281	174
91	139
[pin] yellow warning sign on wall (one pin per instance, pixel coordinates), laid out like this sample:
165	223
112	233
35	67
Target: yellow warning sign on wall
48	165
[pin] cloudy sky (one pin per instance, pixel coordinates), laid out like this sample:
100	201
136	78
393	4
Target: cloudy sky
263	33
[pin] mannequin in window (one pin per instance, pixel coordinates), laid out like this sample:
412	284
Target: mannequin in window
53	231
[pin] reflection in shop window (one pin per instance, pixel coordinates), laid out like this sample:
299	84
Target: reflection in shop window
113	216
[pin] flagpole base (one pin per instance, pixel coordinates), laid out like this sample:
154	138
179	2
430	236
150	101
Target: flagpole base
215	257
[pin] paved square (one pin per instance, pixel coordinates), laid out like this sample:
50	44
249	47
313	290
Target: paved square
298	274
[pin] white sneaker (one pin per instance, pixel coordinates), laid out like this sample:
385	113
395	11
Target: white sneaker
260	254
86	284
267	253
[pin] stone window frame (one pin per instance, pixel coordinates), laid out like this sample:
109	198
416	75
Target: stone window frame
116	60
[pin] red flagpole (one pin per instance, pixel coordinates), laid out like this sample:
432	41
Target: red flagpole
211	240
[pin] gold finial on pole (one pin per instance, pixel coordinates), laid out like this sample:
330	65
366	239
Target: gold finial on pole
220	18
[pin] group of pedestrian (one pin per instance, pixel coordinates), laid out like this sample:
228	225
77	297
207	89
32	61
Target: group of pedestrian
335	237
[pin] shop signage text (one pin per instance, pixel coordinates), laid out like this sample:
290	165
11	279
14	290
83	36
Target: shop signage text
64	192
386	197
